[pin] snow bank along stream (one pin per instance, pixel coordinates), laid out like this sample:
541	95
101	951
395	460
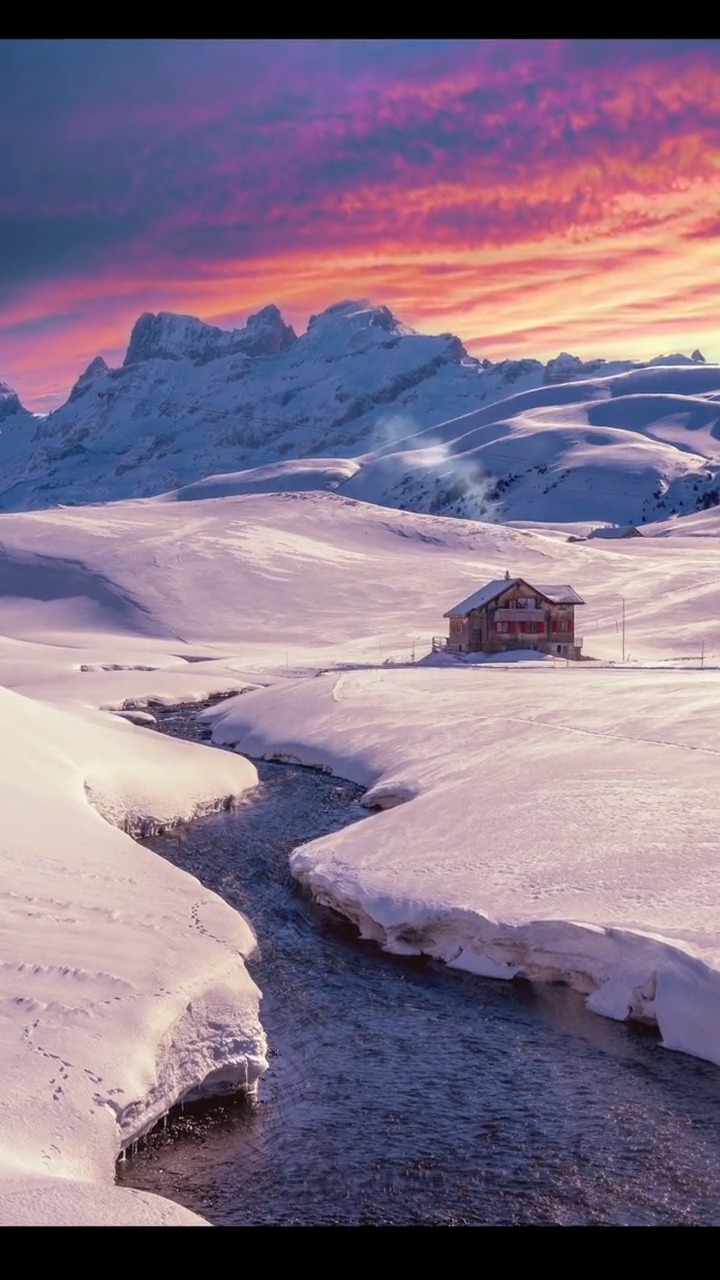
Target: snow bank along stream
123	986
557	825
399	1091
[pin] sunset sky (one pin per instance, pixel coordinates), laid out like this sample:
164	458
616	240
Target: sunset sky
531	196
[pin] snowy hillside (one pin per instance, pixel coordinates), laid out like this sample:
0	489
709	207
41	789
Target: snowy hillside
628	448
316	579
517	439
166	600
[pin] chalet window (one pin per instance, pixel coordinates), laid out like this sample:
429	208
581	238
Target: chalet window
501	626
564	624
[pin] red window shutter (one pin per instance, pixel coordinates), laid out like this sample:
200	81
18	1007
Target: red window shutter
523	626
512	627
554	624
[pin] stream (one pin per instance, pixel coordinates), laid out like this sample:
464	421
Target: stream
400	1092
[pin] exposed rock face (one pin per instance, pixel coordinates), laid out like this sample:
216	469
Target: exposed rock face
266	333
565	368
96	369
170	337
9	402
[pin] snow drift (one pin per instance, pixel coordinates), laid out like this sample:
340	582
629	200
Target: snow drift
557	824
123	987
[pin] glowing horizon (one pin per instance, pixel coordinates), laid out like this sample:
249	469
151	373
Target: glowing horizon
528	196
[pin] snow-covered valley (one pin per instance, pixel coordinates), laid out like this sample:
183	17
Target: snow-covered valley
552	820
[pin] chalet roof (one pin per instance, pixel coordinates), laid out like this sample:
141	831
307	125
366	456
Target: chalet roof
556	593
481	597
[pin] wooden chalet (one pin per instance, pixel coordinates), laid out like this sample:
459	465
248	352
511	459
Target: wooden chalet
510	613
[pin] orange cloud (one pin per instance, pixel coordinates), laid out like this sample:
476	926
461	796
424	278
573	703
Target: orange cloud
527	195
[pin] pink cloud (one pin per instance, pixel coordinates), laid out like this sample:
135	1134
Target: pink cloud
526	192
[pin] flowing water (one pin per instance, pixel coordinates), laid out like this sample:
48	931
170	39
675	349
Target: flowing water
400	1092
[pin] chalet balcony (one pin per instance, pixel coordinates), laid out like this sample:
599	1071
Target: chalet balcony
519	615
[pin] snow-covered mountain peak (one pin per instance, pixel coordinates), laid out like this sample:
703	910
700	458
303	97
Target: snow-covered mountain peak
96	366
676	358
10	402
356	326
406	419
356	318
266	333
361	314
167	336
566	367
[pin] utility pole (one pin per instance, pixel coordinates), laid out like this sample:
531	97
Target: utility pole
623	627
